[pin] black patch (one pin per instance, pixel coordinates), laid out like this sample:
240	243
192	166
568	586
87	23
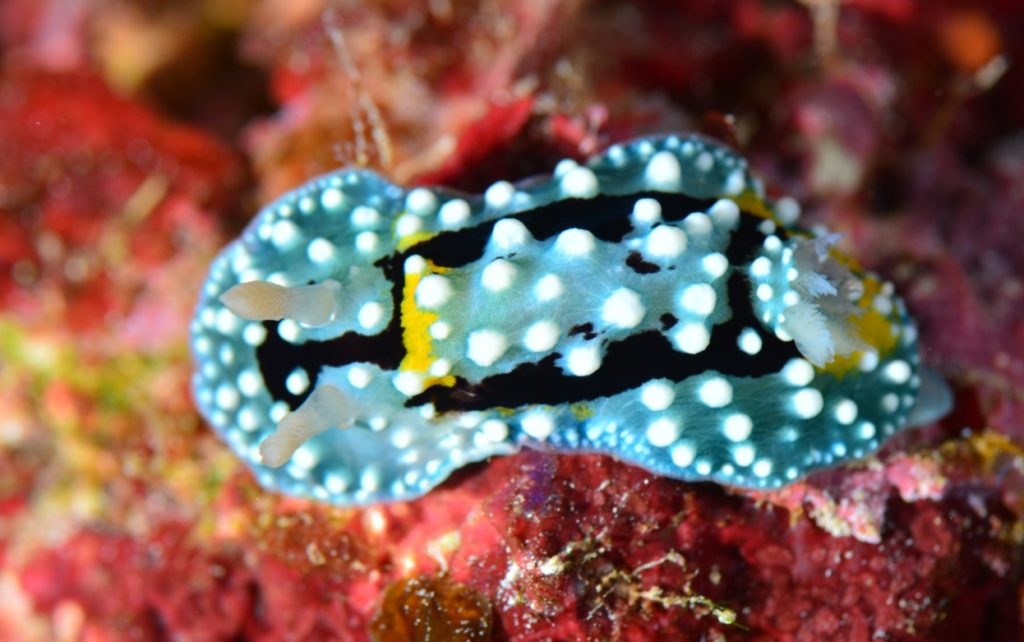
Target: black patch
586	329
627	363
635	261
668	321
746	240
606	217
278	358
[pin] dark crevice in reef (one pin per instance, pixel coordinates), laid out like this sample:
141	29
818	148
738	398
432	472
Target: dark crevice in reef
627	363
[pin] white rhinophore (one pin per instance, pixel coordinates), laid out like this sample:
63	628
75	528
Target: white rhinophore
264	301
327	407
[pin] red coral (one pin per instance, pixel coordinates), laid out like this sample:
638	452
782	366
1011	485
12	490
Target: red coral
895	122
86	179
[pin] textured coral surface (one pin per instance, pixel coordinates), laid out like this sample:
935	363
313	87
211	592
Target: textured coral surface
136	138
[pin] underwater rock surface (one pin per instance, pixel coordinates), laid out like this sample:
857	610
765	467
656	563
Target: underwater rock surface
134	143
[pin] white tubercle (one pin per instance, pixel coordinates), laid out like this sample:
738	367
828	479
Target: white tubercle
663	170
509	233
580	182
265	301
326	408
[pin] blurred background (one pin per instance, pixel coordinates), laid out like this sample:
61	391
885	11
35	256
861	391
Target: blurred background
137	137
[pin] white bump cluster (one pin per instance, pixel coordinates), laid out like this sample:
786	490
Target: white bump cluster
715	393
363	216
498	275
320	250
704	162
883	305
228	398
866	430
743	455
623	309
415	264
787	209
762	468
408	383
665	241
798	372
663	170
331	198
499	194
868	361
646	211
285	235
699	298
359	377
683	454
549	287
408	224
249	383
288	330
254	334
898	371
698	224
737	427
370	314
692	338
583	360
657	395
575	242
485	347
440	367
297	382
580	182
454	213
749	341
663	432
366	242
725	213
538	424
807	403
440	330
433	291
421	201
761	266
494	430
735	183
541	336
715	264
509	233
846	412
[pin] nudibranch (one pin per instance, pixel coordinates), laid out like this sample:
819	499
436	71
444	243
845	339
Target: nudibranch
362	341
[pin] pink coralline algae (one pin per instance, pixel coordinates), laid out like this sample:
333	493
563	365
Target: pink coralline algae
136	140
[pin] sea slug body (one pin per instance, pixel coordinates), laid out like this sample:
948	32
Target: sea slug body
361	341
